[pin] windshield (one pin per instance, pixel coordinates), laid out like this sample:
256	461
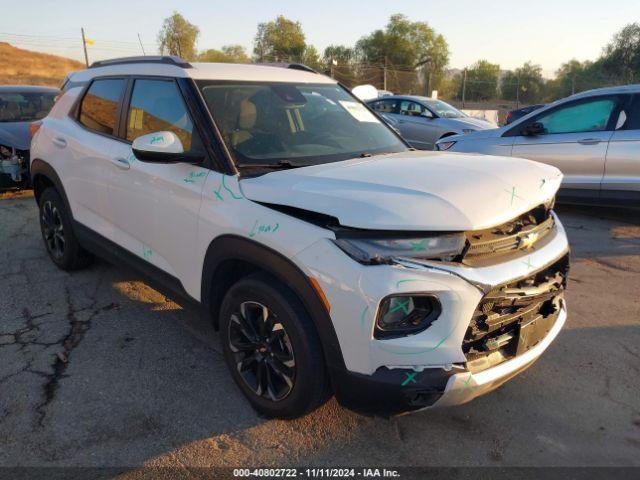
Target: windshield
267	124
25	107
444	110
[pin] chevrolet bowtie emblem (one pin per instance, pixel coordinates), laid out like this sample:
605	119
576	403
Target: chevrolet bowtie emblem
528	240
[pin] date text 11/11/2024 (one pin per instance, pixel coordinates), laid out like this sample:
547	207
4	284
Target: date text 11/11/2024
316	473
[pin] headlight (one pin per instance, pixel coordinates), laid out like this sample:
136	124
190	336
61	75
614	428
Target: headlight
445	145
384	250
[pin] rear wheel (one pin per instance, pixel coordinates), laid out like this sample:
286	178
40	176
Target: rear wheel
272	348
55	224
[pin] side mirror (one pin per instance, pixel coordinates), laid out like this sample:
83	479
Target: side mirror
161	147
535	128
427	114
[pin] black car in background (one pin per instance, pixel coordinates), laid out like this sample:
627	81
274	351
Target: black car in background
521	112
19	106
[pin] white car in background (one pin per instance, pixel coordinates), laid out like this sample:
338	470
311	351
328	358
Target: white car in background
332	258
592	137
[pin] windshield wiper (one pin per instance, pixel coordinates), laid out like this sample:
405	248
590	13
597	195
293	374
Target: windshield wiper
282	164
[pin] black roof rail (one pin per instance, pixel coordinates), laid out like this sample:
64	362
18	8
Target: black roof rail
165	59
292	66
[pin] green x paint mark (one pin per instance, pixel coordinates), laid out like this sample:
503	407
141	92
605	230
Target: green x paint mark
528	263
411	377
404	306
362	315
147	252
513	194
421	245
467	383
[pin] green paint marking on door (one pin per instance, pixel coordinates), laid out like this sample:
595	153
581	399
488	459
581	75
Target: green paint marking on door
263	228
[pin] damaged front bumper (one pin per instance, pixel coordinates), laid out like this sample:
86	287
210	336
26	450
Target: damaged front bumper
14	163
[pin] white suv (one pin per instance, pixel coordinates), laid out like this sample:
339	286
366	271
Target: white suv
332	257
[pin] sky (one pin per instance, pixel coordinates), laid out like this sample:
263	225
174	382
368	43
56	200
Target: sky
509	33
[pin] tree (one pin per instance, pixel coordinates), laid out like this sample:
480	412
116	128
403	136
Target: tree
228	54
408	45
178	37
279	40
525	83
621	57
482	81
339	54
311	58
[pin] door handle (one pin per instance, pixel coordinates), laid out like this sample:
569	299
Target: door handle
589	141
60	142
121	163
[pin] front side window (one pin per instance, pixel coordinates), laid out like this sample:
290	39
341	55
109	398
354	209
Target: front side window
412	109
386	106
99	106
589	116
157	105
301	123
25	106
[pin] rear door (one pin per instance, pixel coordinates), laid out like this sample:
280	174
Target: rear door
83	147
575	140
155	206
621	180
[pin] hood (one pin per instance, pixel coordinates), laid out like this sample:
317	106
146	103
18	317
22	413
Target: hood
15	134
420	190
470	122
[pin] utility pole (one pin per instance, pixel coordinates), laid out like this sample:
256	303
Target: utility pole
384	74
141	46
573	84
84	45
517	92
464	86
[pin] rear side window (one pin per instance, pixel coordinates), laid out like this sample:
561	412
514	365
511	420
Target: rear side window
99	106
589	116
157	105
385	106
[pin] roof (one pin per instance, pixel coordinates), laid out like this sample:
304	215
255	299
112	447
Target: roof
608	90
206	71
27	89
415	98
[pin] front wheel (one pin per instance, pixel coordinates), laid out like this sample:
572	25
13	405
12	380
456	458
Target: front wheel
272	348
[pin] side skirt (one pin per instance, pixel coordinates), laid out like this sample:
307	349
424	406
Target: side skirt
158	279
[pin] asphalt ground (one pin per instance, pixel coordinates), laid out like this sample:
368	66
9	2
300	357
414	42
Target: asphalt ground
97	369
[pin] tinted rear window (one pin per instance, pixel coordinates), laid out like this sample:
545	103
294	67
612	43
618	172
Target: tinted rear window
100	105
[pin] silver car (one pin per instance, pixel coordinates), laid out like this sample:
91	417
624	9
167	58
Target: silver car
592	137
422	121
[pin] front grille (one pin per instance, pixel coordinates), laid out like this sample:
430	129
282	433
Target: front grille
511	238
534	302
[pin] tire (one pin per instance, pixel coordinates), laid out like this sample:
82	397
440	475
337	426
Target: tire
288	344
57	233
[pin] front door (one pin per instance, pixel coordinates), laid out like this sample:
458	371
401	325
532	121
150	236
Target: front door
417	125
156	206
575	139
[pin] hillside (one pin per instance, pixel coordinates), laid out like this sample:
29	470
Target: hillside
25	67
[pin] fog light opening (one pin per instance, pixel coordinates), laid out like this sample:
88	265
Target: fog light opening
402	315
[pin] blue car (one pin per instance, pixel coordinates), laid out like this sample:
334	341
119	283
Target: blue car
20	105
